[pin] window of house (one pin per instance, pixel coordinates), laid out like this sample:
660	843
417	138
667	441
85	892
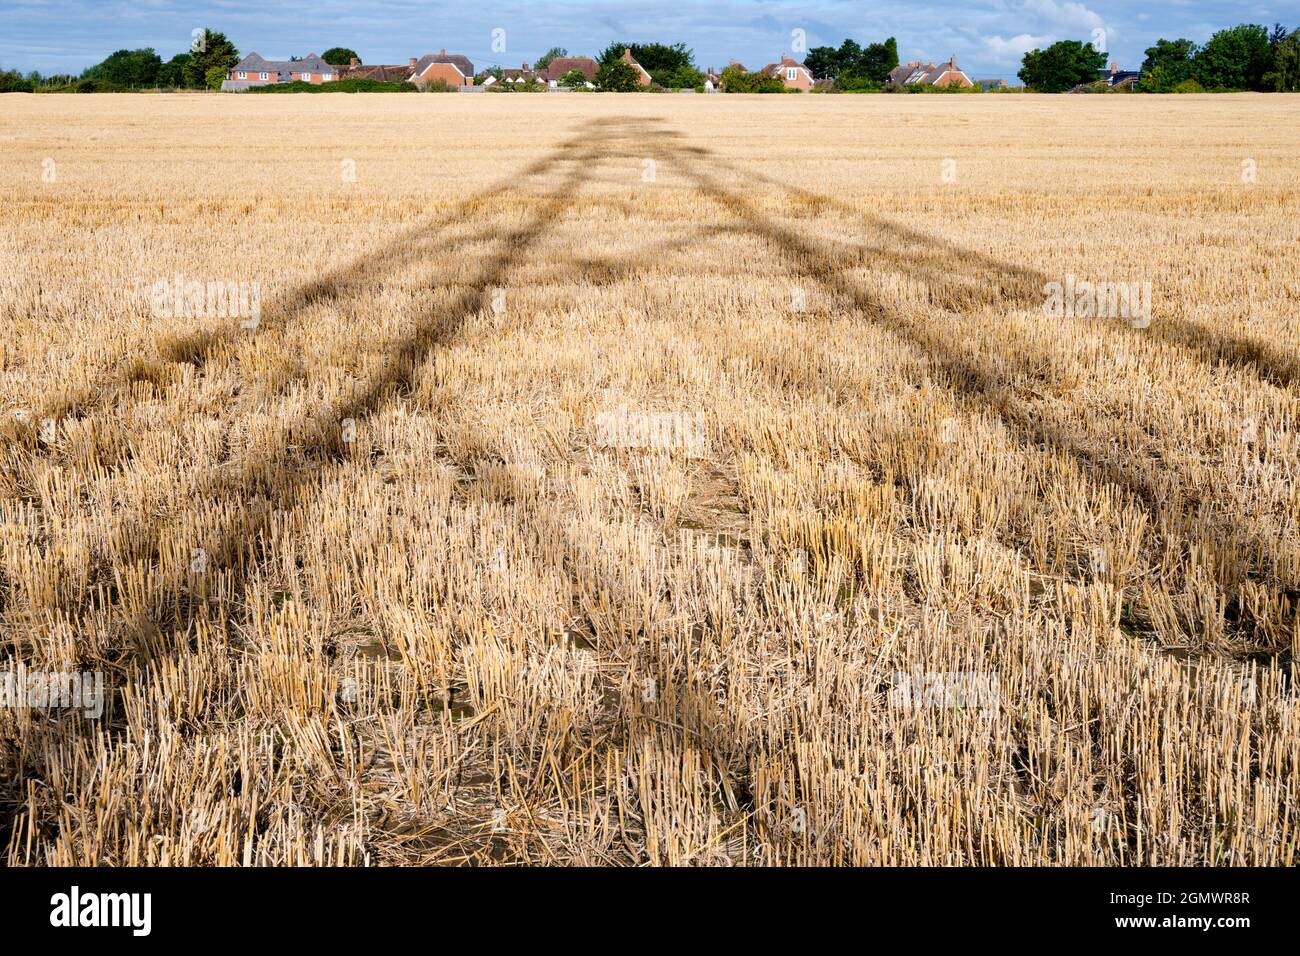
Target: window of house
791	74
265	76
243	76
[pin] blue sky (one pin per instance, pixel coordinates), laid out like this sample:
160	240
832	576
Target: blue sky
988	36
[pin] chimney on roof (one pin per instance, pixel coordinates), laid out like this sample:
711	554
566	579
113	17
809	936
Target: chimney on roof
1114	68
412	63
952	61
354	62
525	69
930	65
442	52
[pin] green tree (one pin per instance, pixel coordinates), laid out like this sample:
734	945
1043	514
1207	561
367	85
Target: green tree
340	56
1167	64
823	62
215	77
172	73
1159	79
877	60
662	61
135	68
683	78
617	77
1173	53
545	59
573	79
11	81
210	49
853	66
1062	66
736	80
848	59
1234	59
828	63
1284	77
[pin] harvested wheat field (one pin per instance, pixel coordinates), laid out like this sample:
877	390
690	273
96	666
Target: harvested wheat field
671	480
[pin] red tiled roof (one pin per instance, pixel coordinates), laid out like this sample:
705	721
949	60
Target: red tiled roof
382	72
567	64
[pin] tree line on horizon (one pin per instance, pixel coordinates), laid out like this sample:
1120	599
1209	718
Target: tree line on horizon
1246	57
203	66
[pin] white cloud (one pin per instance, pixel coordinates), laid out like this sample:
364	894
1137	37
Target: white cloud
1067	16
1054	20
1012	50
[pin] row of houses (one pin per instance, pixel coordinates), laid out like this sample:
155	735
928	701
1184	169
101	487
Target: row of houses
794	74
255	70
557	70
949	74
457	71
941	74
927	74
451	68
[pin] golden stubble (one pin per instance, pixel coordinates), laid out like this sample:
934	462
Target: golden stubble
678	480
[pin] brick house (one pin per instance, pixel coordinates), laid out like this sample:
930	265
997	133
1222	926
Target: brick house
255	70
525	74
643	77
791	72
1117	77
452	69
563	65
945	74
384	73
